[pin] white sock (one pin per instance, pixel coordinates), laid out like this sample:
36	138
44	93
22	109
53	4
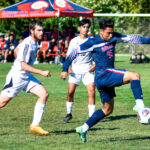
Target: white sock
38	112
91	109
69	106
139	103
85	127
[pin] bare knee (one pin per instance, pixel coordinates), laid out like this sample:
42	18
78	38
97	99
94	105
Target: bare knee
44	96
136	76
107	110
129	76
70	96
4	101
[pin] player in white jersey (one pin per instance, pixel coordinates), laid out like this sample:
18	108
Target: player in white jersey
81	69
20	78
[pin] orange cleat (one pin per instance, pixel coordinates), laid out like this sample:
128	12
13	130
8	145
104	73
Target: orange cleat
38	130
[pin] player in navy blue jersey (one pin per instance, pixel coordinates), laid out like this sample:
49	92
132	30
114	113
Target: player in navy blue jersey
106	76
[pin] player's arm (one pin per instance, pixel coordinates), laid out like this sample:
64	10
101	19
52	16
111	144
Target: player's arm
71	55
134	39
85	47
24	56
25	66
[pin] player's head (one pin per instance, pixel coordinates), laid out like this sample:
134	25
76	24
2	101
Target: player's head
36	29
84	26
106	28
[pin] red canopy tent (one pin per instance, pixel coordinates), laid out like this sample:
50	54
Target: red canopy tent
44	8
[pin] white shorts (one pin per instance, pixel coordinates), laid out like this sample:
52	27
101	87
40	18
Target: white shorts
14	84
86	78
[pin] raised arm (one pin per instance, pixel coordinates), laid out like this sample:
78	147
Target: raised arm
132	38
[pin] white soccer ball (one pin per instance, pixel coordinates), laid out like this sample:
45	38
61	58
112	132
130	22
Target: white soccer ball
144	115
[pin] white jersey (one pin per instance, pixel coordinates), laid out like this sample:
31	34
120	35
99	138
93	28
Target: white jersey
27	51
82	63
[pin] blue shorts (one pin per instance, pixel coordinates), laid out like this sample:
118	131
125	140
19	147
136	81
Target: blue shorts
107	82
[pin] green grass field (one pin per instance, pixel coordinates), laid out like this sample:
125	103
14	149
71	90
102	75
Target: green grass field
119	131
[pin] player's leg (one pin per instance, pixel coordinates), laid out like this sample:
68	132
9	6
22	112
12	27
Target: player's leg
91	98
95	118
72	84
70	101
134	79
88	81
42	94
4	100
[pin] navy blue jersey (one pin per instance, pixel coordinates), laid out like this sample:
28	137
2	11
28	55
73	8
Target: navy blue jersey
103	52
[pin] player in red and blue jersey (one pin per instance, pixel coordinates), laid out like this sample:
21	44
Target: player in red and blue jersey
106	76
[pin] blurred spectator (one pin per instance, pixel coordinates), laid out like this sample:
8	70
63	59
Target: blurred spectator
12	31
2	46
6	37
9	49
55	37
71	28
63	43
26	33
43	50
48	30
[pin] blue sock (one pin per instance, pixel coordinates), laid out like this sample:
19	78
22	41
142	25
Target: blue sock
136	89
97	115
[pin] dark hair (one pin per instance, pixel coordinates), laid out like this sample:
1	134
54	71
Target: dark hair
12	35
84	21
106	22
34	23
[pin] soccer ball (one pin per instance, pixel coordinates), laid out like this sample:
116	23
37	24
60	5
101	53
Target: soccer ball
144	115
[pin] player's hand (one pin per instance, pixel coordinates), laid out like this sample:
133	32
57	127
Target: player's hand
92	69
45	73
70	70
63	75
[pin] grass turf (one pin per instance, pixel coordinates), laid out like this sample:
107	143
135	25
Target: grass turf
119	131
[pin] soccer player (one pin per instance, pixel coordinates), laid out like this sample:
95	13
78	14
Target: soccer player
20	78
106	76
81	69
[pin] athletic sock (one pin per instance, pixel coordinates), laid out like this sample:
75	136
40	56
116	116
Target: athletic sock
96	117
139	103
38	112
136	89
85	127
91	109
69	106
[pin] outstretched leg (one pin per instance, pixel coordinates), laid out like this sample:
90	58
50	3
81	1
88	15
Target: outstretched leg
134	79
96	117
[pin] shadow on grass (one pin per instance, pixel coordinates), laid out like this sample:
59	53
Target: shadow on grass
113	118
131	139
73	131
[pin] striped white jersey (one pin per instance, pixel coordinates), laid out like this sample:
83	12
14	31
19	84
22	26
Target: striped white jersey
27	51
82	63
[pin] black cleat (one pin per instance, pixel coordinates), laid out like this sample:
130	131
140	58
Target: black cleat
67	118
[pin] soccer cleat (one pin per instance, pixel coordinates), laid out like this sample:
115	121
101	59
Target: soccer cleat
38	130
137	108
82	134
67	118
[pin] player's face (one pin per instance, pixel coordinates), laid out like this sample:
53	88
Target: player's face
84	29
106	34
37	33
